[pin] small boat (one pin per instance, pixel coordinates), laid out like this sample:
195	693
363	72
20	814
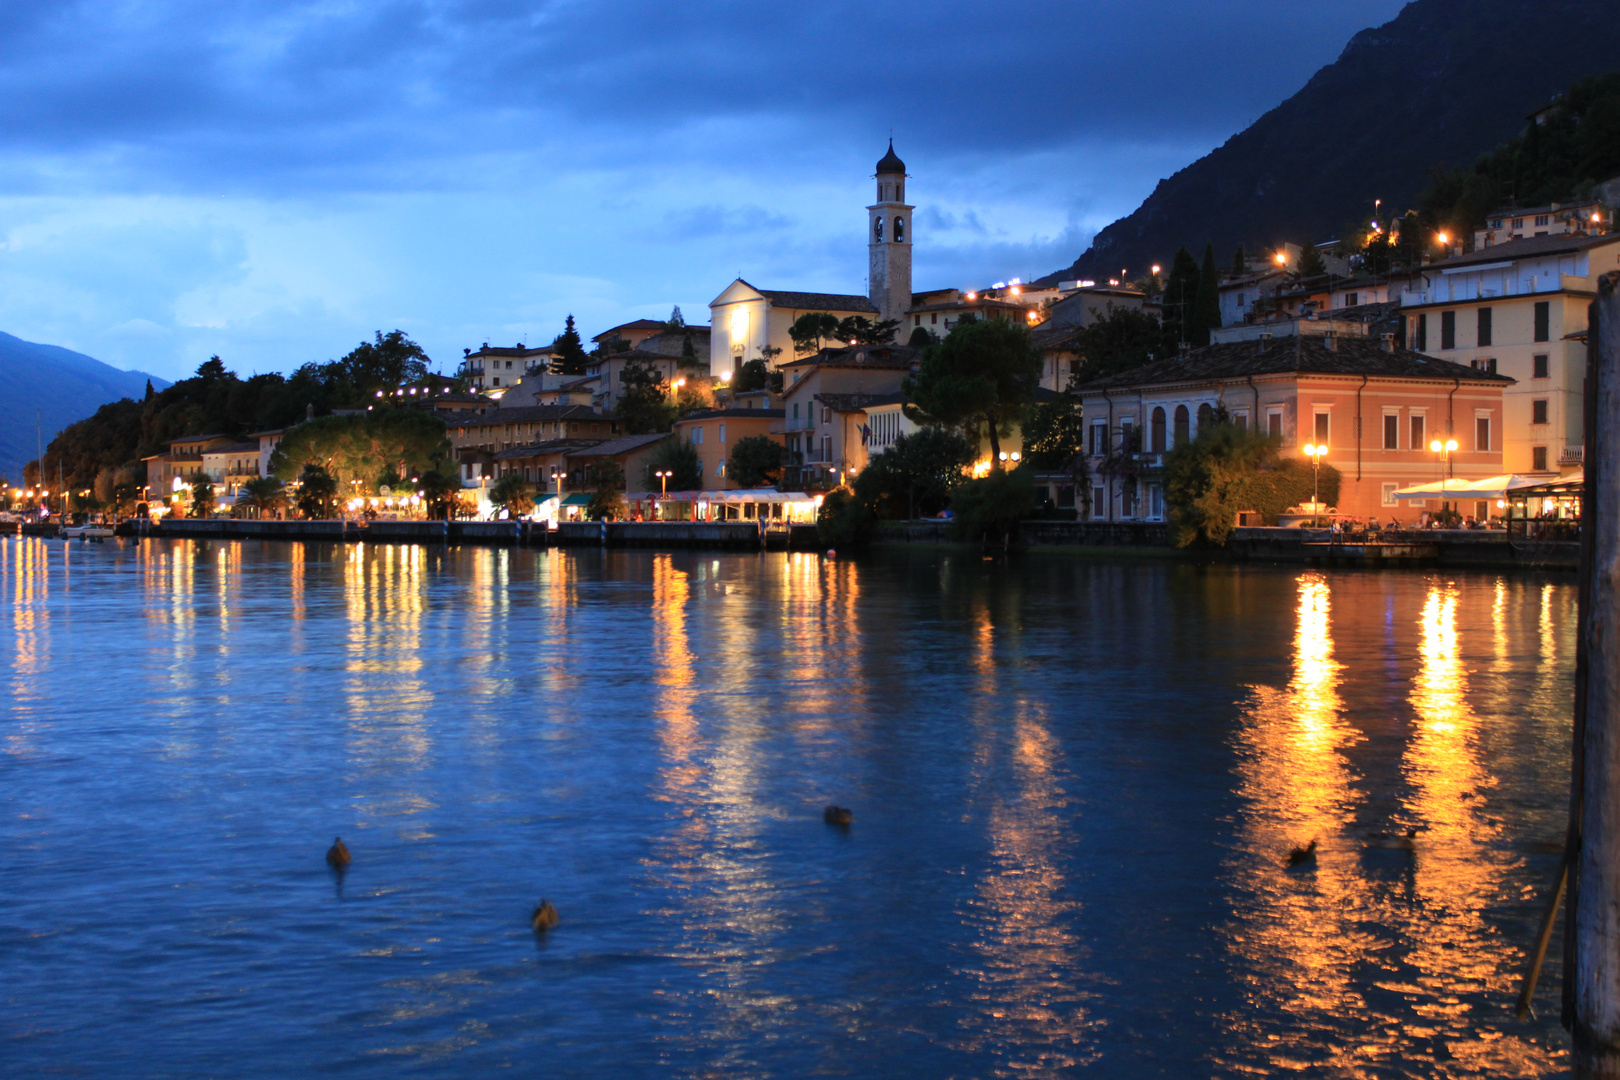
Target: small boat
87	532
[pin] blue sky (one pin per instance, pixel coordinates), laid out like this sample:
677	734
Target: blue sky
273	182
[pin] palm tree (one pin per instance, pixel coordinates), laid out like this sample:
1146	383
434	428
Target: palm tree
265	495
202	495
317	494
514	493
441	491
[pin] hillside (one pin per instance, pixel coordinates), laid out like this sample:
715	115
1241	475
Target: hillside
64	386
1442	83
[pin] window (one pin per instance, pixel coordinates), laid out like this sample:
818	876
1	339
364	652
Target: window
1322	427
1420	332
1488	366
722	431
1538	366
1099	499
934	318
697	436
1482	433
1543	320
899	230
877	230
826	416
826	448
916	320
1099	439
1274	422
1182	425
1418	441
497	381
1206	416
1448	330
795	410
1484	327
1541	219
1392	432
1156	430
1351	299
1538	411
1538	459
1240	301
1126	423
1389	493
1518	223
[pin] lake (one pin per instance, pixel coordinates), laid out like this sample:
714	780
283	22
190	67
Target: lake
1075	785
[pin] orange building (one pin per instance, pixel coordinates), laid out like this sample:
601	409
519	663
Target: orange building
713	432
1377	408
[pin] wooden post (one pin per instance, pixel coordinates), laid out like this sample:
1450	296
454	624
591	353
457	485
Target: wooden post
1594	1020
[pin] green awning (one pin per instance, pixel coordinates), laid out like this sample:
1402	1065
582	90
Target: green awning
578	498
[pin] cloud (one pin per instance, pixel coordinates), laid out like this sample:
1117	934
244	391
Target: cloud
277	180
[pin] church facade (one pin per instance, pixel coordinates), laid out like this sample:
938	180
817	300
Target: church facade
749	322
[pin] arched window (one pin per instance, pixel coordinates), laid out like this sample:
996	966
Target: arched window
1181	424
1206	416
899	230
877	230
1158	430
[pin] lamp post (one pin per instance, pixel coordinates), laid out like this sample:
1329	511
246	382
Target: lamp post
1316	453
663	480
1444	451
557	478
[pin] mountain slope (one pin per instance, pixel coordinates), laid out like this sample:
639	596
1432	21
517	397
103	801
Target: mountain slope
62	385
1440	84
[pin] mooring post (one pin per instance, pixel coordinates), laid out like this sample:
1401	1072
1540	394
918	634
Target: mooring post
1594	1020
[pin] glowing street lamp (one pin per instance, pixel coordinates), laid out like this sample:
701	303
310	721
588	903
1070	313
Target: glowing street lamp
663	480
1316	453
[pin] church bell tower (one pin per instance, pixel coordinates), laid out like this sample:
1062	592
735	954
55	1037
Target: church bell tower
888	236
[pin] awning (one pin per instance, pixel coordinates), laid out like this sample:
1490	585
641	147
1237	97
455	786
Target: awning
1493	487
743	495
578	498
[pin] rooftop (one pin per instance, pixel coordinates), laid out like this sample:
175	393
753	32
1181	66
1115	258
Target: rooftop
624	444
742	414
1531	247
528	414
815	301
1306	355
541	449
890	162
654	325
862	356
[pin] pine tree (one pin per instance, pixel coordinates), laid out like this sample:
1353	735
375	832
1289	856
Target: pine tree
1310	263
1207	310
572	360
1240	263
677	321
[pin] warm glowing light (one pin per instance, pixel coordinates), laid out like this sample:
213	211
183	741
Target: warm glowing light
739	326
981	469
725	376
1597	216
1314	451
973	296
1451	444
1155	269
1282	258
1443	238
1016	291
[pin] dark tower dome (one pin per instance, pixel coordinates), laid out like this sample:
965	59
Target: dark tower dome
891	163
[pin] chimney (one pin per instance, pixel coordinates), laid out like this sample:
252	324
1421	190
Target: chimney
1389	342
1182	353
1331	340
1265	340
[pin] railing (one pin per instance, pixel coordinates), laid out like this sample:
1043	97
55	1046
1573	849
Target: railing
1572	455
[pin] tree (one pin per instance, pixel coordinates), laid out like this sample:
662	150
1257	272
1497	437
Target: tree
1310	263
676	456
916	475
991	507
365	446
1122	340
317	492
1180	301
643	407
1240	263
982	375
844	520
753	375
863	331
1207	310
202	496
810	329
441	491
755	461
677	321
689	356
921	338
390	361
1227	469
264	495
514	493
571	357
1054	435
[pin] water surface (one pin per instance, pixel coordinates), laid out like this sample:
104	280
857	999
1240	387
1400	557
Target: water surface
1075	784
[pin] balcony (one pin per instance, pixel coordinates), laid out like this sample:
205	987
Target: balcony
1572	455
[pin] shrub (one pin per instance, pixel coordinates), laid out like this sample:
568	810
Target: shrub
992	506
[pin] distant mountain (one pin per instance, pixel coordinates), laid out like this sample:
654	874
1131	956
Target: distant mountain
1442	83
62	385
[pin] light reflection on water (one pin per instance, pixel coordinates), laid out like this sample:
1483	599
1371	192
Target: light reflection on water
1075	788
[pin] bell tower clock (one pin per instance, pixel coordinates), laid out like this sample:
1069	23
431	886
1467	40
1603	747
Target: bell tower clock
888	239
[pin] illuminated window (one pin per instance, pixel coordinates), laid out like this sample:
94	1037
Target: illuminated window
899	230
877	230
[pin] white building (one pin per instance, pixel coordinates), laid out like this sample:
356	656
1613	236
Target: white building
1518	308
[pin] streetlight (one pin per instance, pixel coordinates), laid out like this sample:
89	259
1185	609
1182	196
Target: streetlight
663	480
1444	450
557	477
1316	454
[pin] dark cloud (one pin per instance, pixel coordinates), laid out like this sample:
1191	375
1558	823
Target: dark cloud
382	94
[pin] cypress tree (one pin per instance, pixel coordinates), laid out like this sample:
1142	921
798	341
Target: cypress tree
1240	262
1180	301
1207	311
1310	262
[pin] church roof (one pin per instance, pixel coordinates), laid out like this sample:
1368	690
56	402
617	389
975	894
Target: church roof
891	163
815	301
